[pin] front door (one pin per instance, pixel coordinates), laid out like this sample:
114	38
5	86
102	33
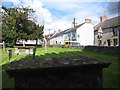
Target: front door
108	41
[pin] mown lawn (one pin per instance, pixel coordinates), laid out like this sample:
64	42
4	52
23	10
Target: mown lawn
110	74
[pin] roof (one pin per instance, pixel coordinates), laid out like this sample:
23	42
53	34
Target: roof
113	22
46	36
67	31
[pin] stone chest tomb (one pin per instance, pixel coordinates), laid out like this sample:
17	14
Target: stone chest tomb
72	72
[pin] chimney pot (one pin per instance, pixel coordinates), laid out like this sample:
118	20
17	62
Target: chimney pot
74	24
103	18
88	20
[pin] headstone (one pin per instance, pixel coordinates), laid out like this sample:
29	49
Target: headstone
45	44
16	51
34	51
4	48
10	53
23	43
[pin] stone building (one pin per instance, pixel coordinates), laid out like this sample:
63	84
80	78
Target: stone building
110	35
82	33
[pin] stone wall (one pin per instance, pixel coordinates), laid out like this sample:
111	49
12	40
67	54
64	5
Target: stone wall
109	50
103	49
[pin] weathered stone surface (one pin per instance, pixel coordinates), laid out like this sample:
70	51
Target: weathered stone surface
72	72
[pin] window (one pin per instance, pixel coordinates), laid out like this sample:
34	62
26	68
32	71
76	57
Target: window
114	32
78	36
65	37
73	34
99	36
99	42
75	44
115	42
104	43
108	41
69	35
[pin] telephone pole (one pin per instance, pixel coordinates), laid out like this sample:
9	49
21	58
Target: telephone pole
74	22
49	33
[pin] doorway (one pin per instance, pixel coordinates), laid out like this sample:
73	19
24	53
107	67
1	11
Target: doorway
115	42
108	41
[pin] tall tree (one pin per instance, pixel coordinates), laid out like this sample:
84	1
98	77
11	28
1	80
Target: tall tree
18	23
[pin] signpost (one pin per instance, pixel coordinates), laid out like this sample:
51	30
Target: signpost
100	30
100	33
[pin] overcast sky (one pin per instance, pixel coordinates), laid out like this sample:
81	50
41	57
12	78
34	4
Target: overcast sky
59	14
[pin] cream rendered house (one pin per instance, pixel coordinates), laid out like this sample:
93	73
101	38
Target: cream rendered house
82	33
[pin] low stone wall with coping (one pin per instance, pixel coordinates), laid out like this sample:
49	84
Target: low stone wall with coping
109	50
103	49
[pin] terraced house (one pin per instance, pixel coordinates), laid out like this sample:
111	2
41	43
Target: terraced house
110	35
82	33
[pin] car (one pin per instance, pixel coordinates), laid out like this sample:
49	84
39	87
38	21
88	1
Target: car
72	43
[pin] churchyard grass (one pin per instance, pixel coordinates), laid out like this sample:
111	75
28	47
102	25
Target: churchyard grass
110	74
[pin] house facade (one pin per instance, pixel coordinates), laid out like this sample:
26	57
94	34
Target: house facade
110	35
82	33
29	42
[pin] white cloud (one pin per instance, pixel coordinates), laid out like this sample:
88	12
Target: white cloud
62	5
42	13
45	15
90	13
73	8
15	2
78	0
55	25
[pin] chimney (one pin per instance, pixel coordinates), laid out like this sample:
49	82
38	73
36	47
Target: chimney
54	31
88	20
103	18
74	23
59	30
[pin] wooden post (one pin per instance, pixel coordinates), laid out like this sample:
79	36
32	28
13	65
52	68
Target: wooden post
10	53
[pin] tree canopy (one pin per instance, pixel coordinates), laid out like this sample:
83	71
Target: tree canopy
18	24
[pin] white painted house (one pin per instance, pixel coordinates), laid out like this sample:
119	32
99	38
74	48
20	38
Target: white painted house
29	42
83	33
